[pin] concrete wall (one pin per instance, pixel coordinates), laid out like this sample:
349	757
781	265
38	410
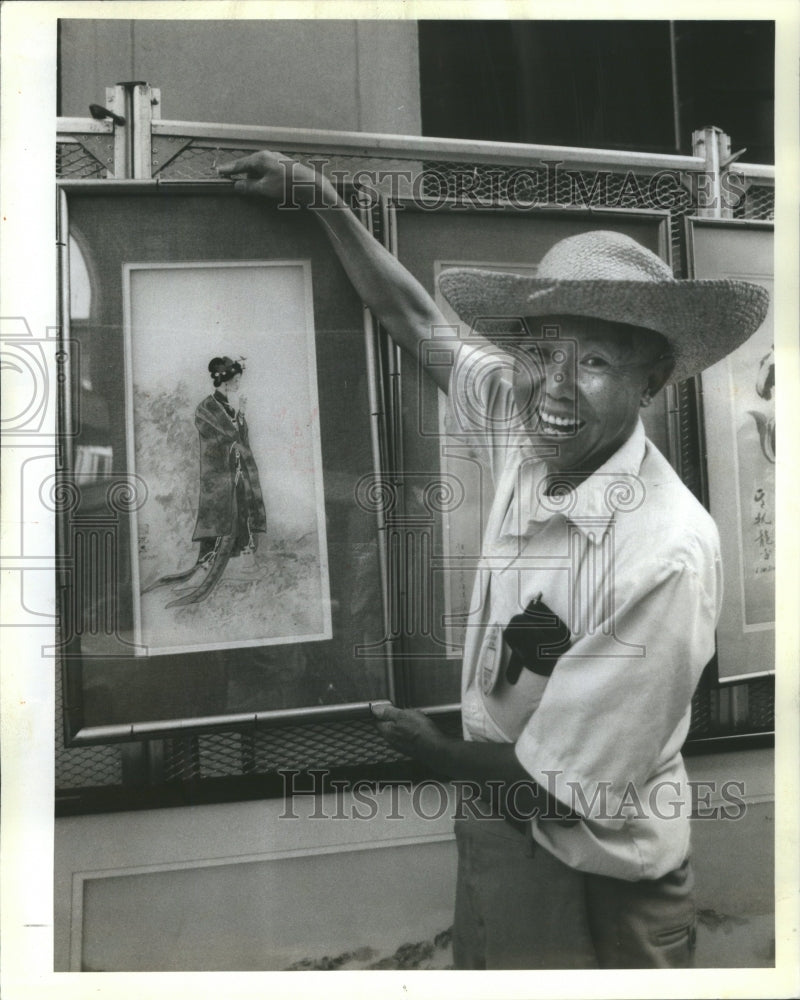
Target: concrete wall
348	75
238	886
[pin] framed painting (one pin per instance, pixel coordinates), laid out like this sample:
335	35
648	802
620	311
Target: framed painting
216	567
738	401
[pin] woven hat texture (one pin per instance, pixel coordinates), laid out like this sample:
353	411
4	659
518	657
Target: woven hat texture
610	276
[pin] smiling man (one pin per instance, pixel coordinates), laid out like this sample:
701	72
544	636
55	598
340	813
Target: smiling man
597	593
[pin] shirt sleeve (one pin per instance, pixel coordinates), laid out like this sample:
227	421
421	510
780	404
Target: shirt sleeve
611	716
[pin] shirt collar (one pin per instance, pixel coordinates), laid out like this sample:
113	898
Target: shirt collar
592	504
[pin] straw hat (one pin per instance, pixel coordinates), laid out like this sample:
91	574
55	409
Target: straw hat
610	276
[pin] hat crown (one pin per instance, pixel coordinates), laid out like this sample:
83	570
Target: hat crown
602	256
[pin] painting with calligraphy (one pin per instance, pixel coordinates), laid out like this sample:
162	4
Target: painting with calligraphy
738	402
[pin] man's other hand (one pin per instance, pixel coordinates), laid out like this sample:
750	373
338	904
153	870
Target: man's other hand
409	731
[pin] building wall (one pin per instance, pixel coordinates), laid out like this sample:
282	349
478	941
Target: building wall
345	75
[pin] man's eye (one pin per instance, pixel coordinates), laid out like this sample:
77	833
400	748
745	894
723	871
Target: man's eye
594	361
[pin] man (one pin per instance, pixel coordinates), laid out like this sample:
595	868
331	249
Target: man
596	597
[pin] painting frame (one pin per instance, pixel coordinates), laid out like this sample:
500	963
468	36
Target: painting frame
740	249
213	685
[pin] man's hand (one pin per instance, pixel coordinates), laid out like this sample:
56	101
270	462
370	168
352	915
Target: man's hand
409	731
274	175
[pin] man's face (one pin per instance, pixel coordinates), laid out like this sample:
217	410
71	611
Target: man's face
578	385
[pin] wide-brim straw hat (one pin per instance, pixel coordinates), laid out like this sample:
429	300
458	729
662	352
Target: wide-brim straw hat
610	276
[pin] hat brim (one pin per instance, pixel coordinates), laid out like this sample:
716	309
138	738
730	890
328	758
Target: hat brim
703	320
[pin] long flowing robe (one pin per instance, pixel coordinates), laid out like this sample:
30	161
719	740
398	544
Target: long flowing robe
227	471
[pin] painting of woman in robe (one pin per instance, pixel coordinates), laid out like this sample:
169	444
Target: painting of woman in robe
230	509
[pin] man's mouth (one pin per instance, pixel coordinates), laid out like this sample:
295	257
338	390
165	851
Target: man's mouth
556	426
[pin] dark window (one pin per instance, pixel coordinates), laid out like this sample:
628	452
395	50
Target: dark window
606	84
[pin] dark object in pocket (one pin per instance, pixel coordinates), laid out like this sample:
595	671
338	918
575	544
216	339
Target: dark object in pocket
536	638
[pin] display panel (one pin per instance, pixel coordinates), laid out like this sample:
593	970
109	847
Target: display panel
739	415
455	512
160	472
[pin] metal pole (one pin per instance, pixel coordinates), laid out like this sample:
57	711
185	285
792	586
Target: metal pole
676	104
65	368
377	421
116	102
142	101
708	195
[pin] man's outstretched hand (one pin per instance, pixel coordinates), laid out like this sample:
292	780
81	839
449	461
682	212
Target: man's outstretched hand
274	175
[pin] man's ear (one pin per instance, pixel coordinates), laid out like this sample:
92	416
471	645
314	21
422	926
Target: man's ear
660	371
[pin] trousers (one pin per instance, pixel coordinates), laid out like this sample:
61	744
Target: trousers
519	907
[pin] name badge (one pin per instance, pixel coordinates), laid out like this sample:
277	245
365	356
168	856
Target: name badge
490	658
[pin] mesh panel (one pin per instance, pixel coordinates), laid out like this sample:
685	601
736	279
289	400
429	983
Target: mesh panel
74	159
194	162
83	767
332	744
311	745
757	203
761	704
702	721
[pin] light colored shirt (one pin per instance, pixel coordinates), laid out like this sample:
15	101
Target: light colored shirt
629	561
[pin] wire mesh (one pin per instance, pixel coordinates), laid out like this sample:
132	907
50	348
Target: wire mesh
758	202
82	767
193	162
74	159
761	704
702	720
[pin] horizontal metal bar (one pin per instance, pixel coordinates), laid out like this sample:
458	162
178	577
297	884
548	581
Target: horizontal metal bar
755	171
405	147
161	728
697	747
65	126
757	675
411	147
151	185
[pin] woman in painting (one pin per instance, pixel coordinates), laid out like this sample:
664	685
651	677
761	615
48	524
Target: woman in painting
230	510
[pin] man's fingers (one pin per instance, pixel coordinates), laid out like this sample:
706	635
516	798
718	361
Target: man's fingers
254	164
240	166
386	712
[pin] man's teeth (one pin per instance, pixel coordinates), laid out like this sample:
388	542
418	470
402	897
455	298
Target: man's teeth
564	425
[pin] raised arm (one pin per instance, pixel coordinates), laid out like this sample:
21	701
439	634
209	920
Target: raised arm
396	298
